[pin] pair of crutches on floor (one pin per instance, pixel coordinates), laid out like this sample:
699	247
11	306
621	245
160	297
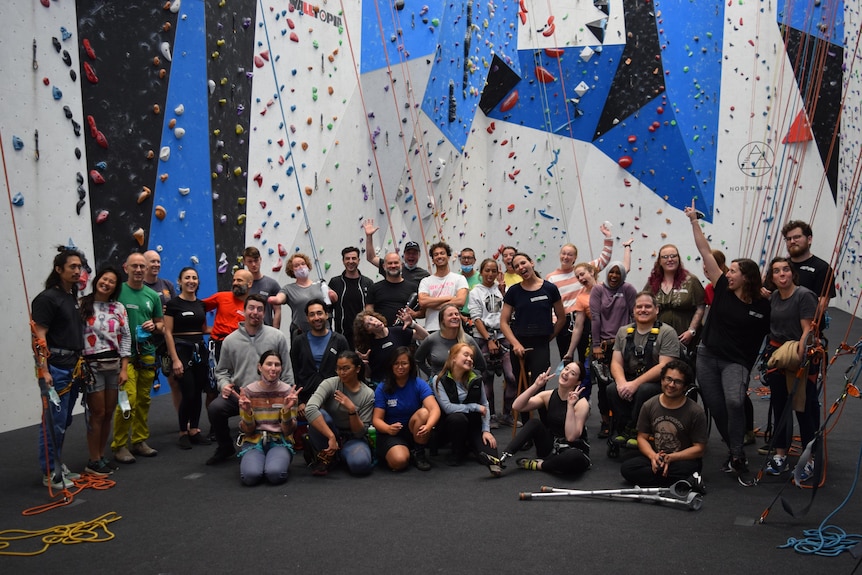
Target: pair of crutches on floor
684	493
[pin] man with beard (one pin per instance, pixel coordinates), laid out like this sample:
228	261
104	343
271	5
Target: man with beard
411	272
229	308
679	430
814	273
263	285
352	290
313	354
391	294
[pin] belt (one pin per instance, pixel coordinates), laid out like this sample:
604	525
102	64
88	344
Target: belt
61	351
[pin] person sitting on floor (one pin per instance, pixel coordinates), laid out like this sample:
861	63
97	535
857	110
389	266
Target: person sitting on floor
679	428
640	351
405	412
561	445
338	415
267	410
466	418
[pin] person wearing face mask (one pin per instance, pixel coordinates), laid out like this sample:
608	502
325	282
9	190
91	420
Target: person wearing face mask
228	306
298	294
611	305
467	259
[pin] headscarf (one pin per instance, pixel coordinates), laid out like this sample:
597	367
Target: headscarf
623	274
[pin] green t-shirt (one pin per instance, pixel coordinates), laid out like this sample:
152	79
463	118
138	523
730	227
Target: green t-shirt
472	281
142	305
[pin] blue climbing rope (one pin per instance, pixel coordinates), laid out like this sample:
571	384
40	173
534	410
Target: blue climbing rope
828	540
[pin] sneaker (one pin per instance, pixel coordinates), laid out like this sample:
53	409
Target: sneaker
632	443
605	430
743	475
123	455
529	464
495	466
184	442
495	424
807	472
199	439
70	474
420	460
726	467
777	465
144	450
696	484
57	482
96	469
220	455
503	457
106	463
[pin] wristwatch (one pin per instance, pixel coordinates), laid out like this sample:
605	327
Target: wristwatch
692	331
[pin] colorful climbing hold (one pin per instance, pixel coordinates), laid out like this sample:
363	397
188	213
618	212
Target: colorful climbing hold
625	161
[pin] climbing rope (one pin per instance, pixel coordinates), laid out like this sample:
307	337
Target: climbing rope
93	531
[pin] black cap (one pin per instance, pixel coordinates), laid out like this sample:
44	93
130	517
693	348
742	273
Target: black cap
411	246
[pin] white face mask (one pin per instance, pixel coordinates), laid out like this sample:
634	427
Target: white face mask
301	272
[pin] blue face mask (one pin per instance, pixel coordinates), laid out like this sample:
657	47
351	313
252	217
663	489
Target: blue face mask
466	269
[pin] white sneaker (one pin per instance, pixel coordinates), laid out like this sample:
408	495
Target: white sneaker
70	474
64	483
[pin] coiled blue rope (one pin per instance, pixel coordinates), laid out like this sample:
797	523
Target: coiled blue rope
828	540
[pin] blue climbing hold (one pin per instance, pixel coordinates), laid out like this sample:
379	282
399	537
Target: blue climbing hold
65	33
56	92
17	143
18	200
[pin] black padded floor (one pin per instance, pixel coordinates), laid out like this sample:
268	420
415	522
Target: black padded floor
180	516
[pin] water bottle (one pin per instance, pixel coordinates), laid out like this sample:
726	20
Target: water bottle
123	402
324	289
372	437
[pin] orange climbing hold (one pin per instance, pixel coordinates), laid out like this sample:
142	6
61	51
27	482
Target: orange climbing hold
160	212
138	234
144	194
543	76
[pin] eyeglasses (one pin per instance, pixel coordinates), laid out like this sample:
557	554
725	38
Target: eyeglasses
794	238
670	380
670	257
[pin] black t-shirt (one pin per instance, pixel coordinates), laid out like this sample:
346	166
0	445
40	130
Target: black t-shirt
533	310
352	297
735	329
58	311
382	349
189	316
814	273
387	298
413	276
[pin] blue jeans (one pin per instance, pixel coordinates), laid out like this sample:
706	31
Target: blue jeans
723	386
271	462
356	453
61	419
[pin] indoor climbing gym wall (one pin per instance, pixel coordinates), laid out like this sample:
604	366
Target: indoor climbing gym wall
199	127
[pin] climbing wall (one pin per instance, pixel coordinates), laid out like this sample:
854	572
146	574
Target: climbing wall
198	127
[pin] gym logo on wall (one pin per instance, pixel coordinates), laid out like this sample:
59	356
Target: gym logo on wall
755	159
316	12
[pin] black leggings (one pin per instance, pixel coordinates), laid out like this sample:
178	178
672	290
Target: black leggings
194	381
569	461
464	430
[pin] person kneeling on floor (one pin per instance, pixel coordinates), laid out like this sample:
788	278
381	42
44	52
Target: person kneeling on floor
678	427
561	445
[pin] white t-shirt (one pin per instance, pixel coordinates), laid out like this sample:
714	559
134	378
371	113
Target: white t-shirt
435	286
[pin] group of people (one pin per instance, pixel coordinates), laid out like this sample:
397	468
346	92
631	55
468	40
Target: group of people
323	382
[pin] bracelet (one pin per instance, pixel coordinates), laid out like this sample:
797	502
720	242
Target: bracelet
351	413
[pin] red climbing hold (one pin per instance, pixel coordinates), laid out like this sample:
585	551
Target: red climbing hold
90	73
91	54
97	177
553	52
265	55
632	139
625	161
294	37
511	208
101	140
282	251
259	63
509	101
101	216
91	121
800	130
290	24
259	179
490	128
543	76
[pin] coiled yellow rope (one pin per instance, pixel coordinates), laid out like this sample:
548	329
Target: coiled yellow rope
94	531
